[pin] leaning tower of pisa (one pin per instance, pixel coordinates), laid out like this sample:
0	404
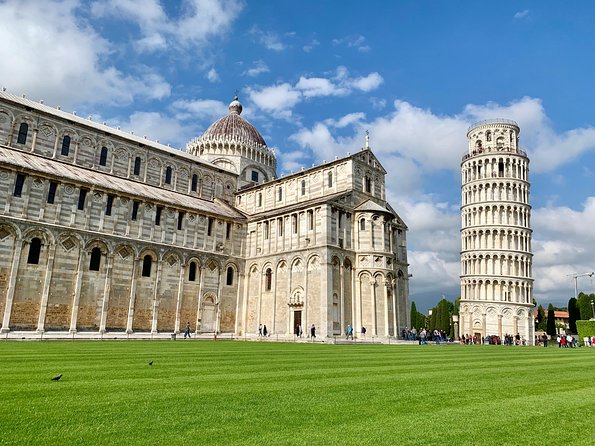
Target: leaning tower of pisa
496	258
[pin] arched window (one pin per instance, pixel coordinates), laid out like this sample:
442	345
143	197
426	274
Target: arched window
103	156
362	224
367	184
34	251
18	185
194	185
168	175
259	199
268	279
147	263
65	145
192	272
279	194
229	278
95	259
303	187
137	162
330	179
23	130
488	136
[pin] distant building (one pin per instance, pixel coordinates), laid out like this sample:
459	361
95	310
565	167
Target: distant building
496	256
102	231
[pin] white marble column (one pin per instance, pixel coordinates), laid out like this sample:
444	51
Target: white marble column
14	268
46	288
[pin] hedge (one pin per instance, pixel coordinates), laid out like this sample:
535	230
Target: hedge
585	329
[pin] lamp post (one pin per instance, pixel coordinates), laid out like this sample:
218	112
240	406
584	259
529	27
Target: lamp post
593	308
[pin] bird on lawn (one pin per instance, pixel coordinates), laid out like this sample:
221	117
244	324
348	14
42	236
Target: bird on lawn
150	362
57	377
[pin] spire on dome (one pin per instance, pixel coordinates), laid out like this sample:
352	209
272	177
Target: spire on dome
235	108
367	144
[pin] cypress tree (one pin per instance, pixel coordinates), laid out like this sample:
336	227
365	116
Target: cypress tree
551	321
541	319
413	316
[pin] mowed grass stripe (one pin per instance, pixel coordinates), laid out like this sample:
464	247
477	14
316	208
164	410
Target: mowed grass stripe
207	392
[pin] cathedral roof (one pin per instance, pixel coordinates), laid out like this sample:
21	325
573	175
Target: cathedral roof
233	128
371	206
75	174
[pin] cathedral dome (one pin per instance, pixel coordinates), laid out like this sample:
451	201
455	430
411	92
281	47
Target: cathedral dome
233	128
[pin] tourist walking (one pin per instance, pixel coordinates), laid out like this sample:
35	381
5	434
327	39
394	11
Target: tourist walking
349	331
313	332
264	330
260	330
187	330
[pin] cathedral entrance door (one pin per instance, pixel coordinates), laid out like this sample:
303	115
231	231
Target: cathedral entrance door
297	321
208	315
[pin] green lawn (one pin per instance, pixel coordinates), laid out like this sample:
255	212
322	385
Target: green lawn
229	393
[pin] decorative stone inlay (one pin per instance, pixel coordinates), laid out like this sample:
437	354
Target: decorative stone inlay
68	189
123	201
37	183
46	131
86	142
153	163
124	252
4	174
172	260
3	118
97	197
314	264
68	244
4	233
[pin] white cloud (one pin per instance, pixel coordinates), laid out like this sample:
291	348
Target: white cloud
212	75
367	83
199	21
521	14
355	41
319	86
311	45
155	126
259	68
201	109
77	70
345	121
281	98
268	39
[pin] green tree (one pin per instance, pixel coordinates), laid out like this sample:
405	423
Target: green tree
584	305
574	314
551	321
541	319
413	315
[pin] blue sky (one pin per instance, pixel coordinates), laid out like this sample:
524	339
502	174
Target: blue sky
314	75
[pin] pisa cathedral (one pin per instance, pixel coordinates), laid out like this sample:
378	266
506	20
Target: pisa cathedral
496	255
105	232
